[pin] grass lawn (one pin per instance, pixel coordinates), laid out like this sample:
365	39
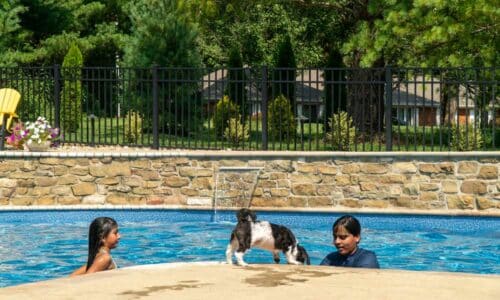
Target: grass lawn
309	137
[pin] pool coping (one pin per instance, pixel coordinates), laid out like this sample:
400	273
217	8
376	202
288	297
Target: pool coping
215	280
151	153
485	213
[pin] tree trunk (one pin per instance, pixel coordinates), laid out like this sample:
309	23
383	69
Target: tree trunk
365	98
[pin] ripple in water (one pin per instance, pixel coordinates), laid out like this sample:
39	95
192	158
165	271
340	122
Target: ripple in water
48	250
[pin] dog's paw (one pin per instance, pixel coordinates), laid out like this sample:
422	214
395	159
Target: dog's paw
243	264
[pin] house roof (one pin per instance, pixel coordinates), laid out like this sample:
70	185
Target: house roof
417	92
421	91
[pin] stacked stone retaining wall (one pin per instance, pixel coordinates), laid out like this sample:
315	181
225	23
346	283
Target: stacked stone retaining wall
298	180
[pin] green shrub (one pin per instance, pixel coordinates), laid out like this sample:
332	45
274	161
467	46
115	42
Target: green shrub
71	94
133	126
490	136
342	133
466	138
281	122
224	110
236	133
37	92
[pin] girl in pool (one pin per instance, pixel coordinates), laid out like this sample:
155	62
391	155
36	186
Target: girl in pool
103	236
346	237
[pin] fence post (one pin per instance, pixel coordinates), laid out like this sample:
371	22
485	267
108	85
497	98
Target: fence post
92	118
57	96
388	108
264	107
156	138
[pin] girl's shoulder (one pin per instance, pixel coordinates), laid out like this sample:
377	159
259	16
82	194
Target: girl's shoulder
103	258
107	260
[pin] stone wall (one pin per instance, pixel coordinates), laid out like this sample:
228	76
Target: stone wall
295	180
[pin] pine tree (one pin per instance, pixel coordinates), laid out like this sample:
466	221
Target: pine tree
71	95
13	37
236	76
335	86
164	35
284	74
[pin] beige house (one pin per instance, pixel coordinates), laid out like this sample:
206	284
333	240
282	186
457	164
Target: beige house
416	101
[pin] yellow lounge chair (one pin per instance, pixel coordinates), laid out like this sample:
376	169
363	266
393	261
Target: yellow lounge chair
9	98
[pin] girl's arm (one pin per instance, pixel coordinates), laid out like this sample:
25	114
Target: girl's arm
79	271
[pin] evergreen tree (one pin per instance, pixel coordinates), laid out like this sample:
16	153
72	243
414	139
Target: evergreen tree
13	36
49	27
71	95
284	73
236	76
438	33
335	87
163	35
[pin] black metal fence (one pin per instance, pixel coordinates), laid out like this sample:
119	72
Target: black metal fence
325	109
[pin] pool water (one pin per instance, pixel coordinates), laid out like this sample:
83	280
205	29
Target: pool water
40	245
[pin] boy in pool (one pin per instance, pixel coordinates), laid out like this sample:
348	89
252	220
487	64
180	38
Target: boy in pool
346	237
103	236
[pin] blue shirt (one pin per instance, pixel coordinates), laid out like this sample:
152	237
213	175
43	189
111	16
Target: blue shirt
360	259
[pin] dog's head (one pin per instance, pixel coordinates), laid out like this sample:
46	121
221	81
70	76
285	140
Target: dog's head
246	215
302	255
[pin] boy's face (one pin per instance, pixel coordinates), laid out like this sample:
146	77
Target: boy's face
345	242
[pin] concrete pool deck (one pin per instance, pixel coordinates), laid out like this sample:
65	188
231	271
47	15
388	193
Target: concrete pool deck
211	280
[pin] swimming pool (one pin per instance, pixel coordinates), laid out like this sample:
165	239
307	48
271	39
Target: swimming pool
39	245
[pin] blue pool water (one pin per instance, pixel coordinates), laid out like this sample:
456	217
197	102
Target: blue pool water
39	245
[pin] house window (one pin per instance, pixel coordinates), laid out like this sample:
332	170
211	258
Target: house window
310	111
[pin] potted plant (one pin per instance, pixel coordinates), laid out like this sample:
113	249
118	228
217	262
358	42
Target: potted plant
34	136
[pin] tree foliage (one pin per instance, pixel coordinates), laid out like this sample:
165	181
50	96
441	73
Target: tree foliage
402	33
13	35
428	33
49	27
284	72
71	95
236	79
162	34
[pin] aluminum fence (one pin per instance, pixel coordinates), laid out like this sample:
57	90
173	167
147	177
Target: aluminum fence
312	109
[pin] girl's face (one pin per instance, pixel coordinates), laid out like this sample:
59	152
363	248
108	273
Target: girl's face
344	241
111	240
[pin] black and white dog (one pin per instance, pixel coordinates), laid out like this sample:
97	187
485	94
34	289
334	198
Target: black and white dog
250	233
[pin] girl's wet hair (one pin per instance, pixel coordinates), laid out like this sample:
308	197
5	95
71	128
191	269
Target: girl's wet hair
350	223
98	230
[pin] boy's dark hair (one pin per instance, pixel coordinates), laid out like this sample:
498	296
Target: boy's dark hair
350	223
99	229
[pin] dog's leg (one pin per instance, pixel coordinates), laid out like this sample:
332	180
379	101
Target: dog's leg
290	254
276	256
233	244
242	249
244	243
239	258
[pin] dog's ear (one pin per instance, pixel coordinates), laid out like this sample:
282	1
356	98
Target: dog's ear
246	215
252	215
